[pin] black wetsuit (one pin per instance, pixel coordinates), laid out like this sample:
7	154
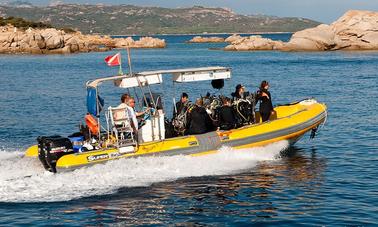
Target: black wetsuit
266	105
199	121
227	118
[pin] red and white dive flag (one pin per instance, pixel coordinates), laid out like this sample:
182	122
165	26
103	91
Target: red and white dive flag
114	60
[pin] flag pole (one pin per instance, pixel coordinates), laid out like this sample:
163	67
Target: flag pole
120	72
131	74
129	61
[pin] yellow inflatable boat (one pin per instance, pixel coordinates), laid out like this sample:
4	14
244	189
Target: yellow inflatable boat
289	122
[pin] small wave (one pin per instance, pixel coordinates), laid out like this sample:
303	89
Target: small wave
24	180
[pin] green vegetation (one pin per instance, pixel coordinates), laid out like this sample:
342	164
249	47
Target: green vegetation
22	23
25	24
128	19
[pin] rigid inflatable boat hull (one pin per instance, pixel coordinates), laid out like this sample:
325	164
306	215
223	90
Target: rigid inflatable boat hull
289	123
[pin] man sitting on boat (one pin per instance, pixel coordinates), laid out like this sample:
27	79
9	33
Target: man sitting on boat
198	120
123	112
126	110
134	114
120	114
227	115
124	122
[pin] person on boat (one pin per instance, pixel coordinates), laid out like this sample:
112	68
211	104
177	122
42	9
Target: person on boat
198	120
227	115
134	114
119	115
148	109
182	105
266	106
239	93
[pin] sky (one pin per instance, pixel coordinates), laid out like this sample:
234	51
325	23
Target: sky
325	11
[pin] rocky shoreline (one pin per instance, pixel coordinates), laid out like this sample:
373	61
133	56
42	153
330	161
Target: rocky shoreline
355	30
53	41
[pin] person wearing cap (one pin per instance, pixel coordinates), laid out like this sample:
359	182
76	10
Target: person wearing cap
239	92
181	105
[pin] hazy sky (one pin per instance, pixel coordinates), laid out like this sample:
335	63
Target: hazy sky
320	10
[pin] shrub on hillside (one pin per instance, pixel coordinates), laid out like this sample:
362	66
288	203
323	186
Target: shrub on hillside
22	23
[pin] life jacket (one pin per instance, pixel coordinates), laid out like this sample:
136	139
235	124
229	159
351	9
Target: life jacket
92	124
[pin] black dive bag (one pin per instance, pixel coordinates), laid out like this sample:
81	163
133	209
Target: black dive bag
51	148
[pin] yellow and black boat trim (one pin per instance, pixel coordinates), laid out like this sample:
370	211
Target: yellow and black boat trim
289	122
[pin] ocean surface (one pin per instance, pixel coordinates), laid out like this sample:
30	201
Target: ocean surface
329	181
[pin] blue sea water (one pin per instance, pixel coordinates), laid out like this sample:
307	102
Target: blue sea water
332	180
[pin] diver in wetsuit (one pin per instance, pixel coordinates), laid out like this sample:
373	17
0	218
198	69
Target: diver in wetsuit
239	93
266	106
227	115
198	120
181	105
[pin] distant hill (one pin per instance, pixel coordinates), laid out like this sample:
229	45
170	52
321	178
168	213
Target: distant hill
21	23
128	19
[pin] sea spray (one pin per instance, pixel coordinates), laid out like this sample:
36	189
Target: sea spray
24	180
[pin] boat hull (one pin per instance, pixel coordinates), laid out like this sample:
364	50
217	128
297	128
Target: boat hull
290	122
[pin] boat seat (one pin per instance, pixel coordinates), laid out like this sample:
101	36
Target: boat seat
120	123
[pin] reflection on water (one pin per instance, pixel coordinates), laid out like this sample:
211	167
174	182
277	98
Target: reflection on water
259	194
298	168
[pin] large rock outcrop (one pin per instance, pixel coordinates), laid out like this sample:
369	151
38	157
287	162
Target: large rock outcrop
143	42
233	38
355	30
254	42
318	38
51	40
200	39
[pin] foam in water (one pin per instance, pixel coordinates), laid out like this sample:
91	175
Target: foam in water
24	180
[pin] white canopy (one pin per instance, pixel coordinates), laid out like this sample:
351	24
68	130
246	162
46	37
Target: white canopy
139	80
155	77
195	74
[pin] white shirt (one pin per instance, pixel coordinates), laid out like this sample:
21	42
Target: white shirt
132	115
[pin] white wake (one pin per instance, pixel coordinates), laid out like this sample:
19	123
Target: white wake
24	179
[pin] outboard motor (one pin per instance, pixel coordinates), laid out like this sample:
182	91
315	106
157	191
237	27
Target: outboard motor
51	148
